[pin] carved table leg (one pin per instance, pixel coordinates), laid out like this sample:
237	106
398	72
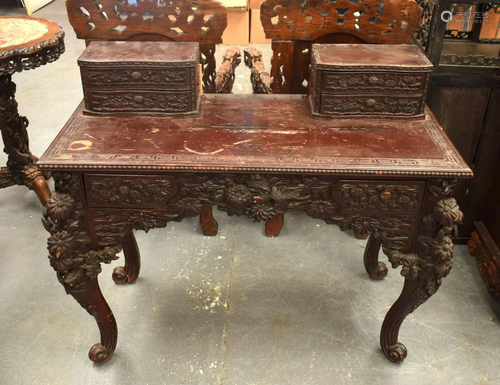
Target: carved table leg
77	266
374	268
130	272
21	167
274	225
426	266
209	225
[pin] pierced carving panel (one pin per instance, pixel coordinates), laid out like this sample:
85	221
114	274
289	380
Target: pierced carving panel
202	21
425	24
373	21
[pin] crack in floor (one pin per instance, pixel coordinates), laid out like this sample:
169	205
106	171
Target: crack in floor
225	331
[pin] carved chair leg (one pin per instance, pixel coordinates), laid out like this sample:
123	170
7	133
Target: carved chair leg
374	268
129	272
209	225
274	225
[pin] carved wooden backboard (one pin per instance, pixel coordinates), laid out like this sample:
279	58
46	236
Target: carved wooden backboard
201	21
295	24
373	21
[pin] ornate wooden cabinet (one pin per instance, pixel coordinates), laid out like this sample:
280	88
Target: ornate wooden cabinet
370	81
140	78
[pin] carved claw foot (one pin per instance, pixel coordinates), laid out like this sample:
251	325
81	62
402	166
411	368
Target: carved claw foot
119	275
100	354
396	353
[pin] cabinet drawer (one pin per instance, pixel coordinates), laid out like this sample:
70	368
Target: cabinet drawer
376	196
129	191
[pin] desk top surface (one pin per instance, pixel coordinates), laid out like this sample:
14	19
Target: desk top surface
255	133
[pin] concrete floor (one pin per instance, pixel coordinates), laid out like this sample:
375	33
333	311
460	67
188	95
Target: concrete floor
238	308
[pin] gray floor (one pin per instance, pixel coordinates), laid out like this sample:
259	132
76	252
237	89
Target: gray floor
238	308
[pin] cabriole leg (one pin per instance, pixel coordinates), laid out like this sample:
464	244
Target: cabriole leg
75	263
129	272
425	267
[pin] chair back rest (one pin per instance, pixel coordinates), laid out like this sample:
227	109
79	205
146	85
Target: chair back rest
201	21
294	25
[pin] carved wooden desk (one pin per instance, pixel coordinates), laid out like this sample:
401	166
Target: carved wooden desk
25	43
254	155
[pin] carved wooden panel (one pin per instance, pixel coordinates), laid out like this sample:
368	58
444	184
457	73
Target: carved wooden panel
379	196
373	21
129	191
200	21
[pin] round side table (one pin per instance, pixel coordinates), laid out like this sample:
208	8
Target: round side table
25	43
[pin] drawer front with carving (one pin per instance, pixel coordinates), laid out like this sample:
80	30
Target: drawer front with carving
140	102
374	82
139	78
394	197
374	105
129	191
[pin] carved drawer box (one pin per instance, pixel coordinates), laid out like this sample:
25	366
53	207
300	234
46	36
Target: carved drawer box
140	78
370	81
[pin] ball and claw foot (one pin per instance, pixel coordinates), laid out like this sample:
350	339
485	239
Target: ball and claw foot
119	275
99	354
397	353
381	271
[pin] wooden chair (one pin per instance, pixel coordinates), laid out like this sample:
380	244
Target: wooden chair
201	21
294	25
